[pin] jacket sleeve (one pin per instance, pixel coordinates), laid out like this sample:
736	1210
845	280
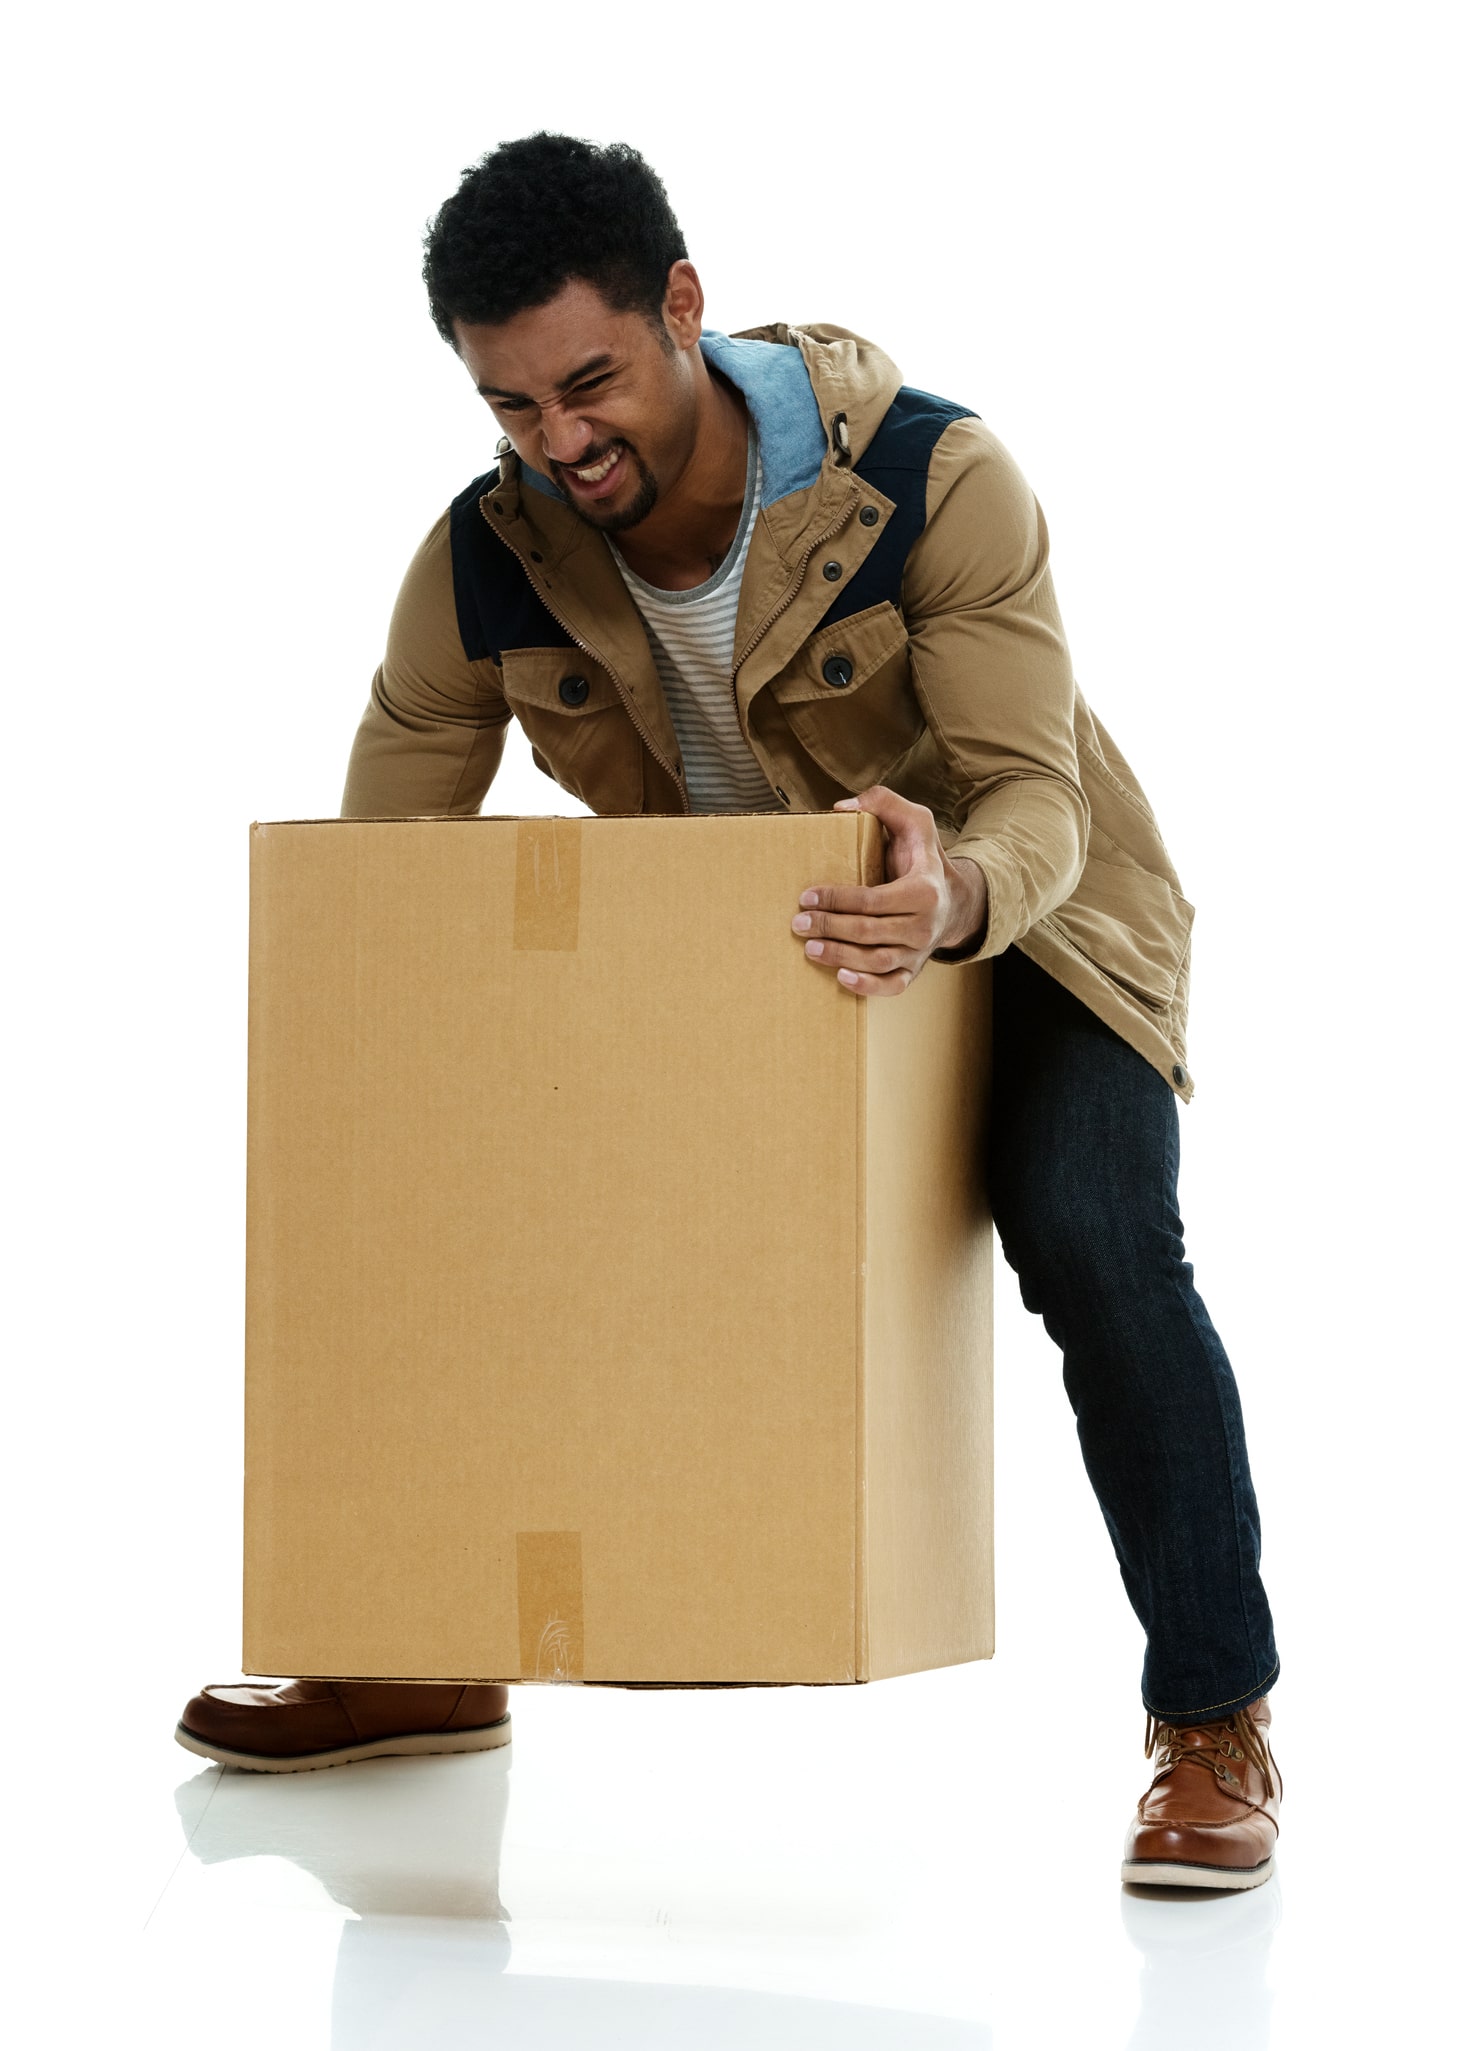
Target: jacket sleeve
432	735
993	676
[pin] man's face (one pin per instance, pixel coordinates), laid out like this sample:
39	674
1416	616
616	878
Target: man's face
600	401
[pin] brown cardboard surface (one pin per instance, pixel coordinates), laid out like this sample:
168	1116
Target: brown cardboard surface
618	1305
928	1315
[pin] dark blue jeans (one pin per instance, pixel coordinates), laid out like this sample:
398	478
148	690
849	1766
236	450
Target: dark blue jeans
1084	1187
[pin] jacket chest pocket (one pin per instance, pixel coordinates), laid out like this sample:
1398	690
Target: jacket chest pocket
576	725
849	699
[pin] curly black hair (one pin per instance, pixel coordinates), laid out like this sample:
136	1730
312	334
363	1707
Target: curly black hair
536	212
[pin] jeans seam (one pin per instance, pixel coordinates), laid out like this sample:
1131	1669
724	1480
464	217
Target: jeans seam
1171	1165
1187	1715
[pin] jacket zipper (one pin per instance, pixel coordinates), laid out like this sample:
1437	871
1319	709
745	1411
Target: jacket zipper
793	587
594	655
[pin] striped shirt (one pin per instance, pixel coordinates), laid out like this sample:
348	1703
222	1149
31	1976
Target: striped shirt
692	636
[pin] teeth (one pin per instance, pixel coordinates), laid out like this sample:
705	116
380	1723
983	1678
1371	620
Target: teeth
596	471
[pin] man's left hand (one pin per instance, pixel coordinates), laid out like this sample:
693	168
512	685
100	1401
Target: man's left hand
878	936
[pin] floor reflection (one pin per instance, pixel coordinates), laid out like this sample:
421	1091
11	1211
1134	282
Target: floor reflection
386	1837
412	1848
1205	1965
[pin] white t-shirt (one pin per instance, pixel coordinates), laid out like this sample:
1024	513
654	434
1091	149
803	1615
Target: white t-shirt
692	635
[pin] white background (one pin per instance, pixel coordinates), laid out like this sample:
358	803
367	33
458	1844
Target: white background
1194	267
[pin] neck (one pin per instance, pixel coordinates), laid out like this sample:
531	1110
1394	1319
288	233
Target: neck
686	536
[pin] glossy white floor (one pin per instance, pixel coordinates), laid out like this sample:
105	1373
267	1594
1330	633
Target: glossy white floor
925	1862
922	1864
781	1870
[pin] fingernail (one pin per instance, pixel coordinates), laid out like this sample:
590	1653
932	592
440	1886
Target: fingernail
814	947
802	923
808	897
847	976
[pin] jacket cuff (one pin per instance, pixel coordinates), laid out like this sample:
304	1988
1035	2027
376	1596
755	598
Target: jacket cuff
1005	917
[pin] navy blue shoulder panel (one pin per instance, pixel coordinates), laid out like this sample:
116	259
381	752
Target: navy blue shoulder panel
497	607
896	462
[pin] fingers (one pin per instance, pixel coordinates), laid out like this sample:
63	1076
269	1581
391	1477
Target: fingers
888	805
902	915
877	944
874	952
912	895
878	936
864	985
887	954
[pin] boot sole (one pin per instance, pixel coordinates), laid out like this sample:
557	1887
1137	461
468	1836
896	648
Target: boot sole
484	1738
1191	1873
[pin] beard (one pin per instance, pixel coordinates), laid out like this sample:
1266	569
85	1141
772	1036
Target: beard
645	496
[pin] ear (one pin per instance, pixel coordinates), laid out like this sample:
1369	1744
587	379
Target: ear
684	304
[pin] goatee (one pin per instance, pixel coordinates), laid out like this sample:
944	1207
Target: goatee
631	515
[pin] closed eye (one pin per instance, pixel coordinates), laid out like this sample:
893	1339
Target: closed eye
588	384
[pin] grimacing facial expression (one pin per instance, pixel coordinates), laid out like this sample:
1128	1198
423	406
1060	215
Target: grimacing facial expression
600	401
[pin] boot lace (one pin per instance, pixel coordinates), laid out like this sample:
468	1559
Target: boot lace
1242	1740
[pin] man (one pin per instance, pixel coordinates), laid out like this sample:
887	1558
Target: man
760	574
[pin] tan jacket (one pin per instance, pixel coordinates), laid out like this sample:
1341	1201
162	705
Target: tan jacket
960	697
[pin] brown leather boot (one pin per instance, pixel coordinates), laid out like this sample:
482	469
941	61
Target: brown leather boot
300	1724
1211	1816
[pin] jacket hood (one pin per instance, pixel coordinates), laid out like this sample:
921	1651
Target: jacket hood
844	373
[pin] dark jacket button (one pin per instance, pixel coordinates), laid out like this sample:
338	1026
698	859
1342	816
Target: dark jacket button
574	690
869	516
1180	1075
534	555
832	571
837	670
782	794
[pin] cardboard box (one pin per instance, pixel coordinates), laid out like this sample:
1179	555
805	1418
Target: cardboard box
618	1283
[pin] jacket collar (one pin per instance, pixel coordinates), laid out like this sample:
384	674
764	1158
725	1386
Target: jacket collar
817	396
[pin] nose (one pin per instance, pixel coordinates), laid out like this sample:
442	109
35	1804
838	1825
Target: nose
566	436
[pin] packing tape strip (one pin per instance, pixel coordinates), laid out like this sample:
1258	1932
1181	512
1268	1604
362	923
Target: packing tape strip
551	1605
546	891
